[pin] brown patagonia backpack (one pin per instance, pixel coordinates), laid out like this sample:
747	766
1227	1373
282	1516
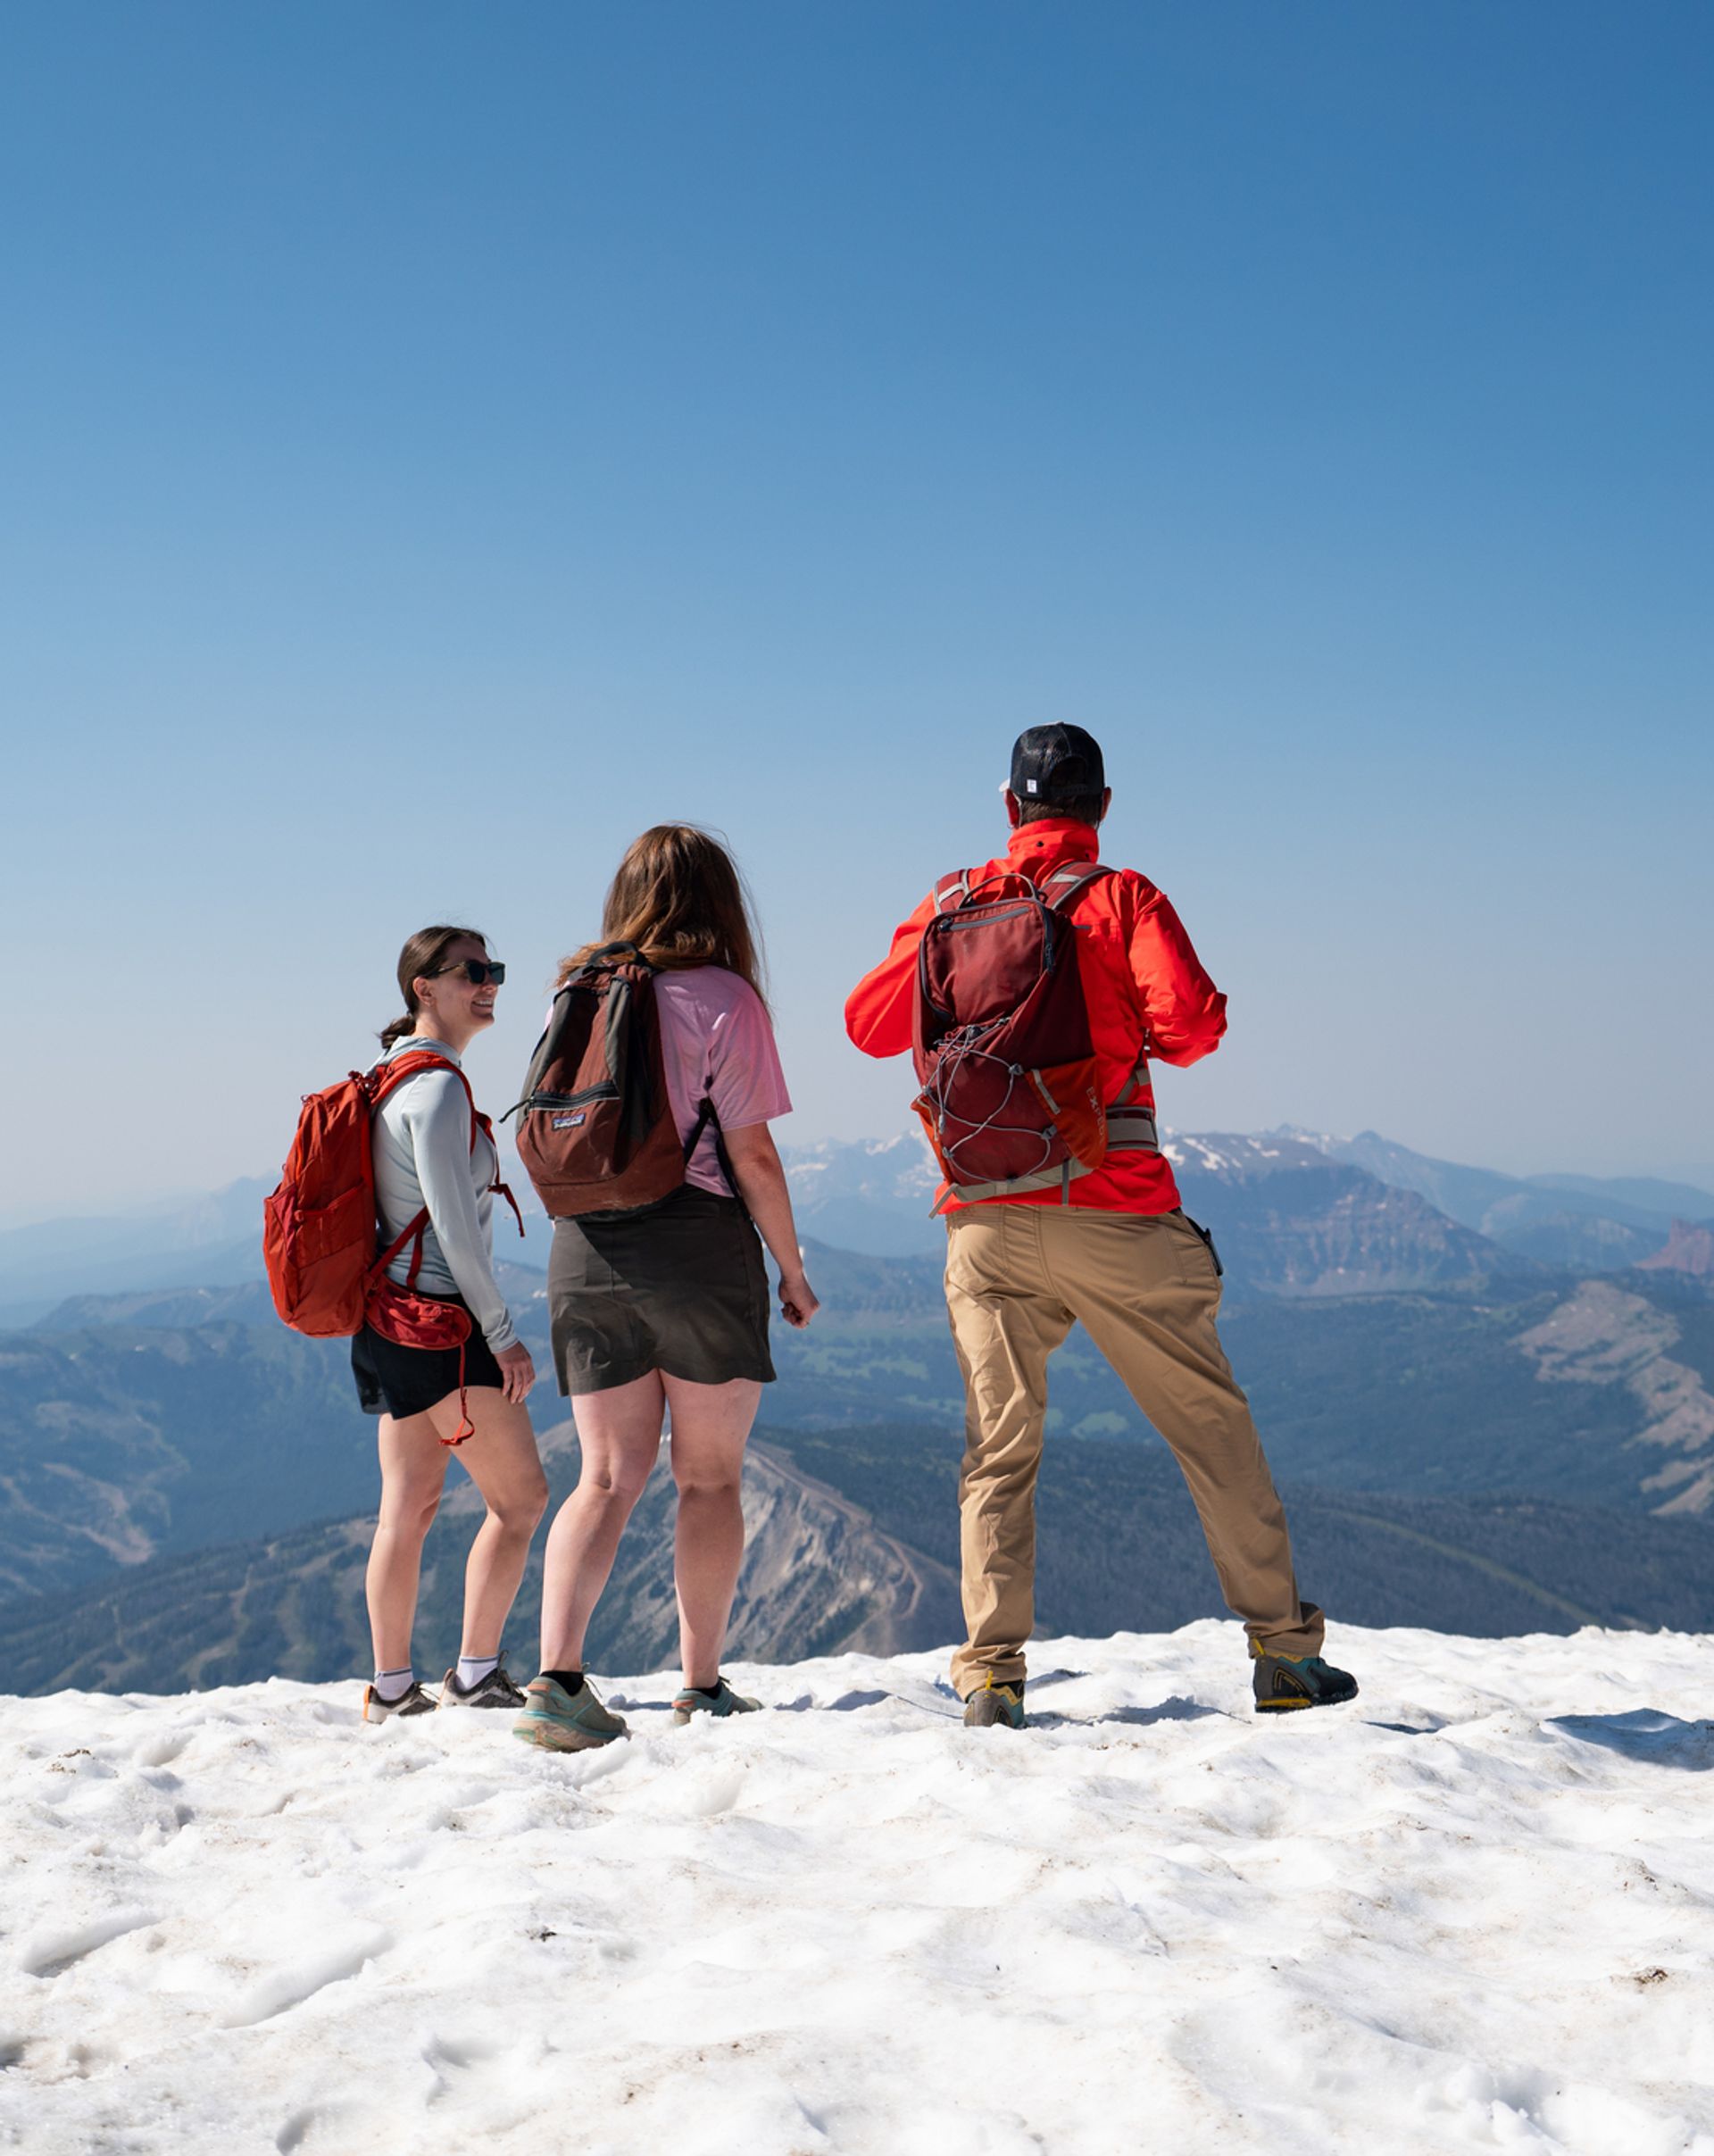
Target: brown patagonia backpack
1010	1096
597	1132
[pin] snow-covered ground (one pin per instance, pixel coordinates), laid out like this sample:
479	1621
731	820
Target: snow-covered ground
1474	1911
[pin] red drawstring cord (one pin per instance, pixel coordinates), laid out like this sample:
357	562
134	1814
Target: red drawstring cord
502	1190
466	1427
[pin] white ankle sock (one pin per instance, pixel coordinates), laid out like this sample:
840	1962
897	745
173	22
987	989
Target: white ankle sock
473	1667
392	1684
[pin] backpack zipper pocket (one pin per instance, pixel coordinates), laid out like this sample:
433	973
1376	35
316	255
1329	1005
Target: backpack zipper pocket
605	1091
955	921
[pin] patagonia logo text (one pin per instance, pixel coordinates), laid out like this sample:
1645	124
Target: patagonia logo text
570	1122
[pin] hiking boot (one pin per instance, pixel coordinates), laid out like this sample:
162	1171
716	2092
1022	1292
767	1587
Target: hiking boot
992	1705
558	1720
496	1689
1286	1682
691	1703
416	1701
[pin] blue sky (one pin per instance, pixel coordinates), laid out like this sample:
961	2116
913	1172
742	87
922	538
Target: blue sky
442	440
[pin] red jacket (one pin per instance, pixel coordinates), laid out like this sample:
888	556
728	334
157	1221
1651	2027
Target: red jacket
1142	982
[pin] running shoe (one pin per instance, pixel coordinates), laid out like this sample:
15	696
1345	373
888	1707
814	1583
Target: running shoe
496	1689
1286	1682
558	1720
416	1701
995	1706
691	1703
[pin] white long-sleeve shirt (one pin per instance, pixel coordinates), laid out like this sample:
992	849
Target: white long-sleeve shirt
422	1156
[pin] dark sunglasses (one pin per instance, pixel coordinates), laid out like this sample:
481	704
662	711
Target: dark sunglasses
475	971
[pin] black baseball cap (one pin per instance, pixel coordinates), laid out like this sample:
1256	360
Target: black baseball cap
1056	763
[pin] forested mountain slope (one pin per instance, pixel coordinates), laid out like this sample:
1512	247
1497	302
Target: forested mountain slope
853	1544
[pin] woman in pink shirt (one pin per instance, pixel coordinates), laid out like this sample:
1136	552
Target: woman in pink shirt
663	1310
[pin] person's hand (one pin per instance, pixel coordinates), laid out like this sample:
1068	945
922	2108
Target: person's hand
516	1371
798	1301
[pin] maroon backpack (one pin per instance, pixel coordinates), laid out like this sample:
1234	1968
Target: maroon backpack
598	1133
1011	1094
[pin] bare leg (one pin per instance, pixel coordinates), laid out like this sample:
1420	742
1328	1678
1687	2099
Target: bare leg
620	1434
502	1462
710	1426
413	1467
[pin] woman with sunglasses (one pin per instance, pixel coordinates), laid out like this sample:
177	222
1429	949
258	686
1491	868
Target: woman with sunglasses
663	1312
433	1154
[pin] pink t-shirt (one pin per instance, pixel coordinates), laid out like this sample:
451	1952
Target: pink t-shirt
717	1044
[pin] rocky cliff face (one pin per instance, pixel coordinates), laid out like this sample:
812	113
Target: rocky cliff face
1603	1336
1689	1249
1288	1221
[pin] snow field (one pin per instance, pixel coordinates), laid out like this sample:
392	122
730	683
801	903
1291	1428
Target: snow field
1473	1910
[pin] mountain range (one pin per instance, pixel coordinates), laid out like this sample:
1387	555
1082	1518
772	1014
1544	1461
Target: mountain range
1464	1424
1575	1223
1469	1455
852	1547
873	1196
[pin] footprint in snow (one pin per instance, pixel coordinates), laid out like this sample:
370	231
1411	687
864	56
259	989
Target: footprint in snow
284	1988
702	1796
52	1953
162	1750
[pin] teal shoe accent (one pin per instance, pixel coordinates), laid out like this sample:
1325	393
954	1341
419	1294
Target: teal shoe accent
690	1703
558	1720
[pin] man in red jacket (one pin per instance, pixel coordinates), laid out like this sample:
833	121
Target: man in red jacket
1110	1248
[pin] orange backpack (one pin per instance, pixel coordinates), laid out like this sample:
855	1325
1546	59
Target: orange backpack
317	1233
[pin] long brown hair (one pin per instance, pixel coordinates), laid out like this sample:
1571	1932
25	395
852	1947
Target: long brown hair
677	896
423	955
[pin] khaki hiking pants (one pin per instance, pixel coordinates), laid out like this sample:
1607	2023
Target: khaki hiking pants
1145	1289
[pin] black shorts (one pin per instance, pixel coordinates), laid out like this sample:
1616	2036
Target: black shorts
681	1288
401	1381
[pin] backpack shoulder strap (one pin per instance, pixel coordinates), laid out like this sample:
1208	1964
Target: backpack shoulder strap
393	1075
965	886
1062	885
609	957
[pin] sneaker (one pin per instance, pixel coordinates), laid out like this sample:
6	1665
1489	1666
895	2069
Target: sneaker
691	1703
496	1689
992	1705
558	1720
416	1701
1285	1682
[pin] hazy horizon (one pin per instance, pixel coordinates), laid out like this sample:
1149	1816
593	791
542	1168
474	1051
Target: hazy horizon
1698	1177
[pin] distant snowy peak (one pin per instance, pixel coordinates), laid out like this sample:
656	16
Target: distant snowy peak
879	1170
1224	1153
886	1170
